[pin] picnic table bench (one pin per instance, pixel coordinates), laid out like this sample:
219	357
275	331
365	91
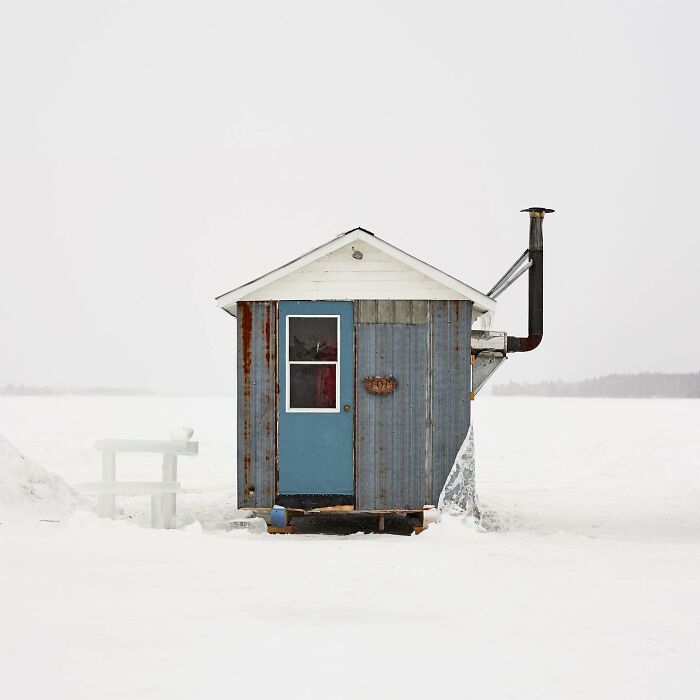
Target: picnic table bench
163	493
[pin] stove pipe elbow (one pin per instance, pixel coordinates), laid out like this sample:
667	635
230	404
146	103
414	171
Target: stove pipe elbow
535	286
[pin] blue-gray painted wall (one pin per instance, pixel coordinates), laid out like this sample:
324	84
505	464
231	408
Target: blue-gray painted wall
405	442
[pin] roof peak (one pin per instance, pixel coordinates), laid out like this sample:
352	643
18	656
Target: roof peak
353	230
456	287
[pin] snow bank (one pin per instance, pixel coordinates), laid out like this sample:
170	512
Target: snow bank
451	526
26	488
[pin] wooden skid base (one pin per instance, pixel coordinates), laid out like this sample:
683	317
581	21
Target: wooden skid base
272	530
350	510
343	520
289	530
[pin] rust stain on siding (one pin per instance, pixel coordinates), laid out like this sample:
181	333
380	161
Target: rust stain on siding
245	318
268	322
257	361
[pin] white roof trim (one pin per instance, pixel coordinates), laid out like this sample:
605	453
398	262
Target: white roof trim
482	303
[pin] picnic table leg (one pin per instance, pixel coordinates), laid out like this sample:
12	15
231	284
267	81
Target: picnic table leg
169	503
106	503
156	510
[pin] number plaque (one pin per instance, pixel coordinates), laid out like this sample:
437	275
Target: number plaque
380	385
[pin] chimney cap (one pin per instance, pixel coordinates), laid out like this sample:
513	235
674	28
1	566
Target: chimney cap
542	210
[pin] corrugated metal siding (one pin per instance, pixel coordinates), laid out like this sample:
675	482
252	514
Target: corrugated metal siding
401	461
257	426
450	405
391	429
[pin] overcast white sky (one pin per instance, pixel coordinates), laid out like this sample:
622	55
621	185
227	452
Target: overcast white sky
156	154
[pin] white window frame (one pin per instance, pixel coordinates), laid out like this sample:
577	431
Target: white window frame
289	362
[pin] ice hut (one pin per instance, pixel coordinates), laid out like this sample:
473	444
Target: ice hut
357	365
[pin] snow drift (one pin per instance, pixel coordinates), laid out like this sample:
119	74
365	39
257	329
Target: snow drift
27	488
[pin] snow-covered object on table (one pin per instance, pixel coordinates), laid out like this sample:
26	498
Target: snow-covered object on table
458	496
181	433
26	487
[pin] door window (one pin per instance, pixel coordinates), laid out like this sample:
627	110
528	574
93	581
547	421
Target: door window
312	363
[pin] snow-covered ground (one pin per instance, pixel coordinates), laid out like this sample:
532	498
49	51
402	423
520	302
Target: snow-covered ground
590	590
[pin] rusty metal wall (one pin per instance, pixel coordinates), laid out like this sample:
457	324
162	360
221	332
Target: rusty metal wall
449	390
257	424
390	437
406	442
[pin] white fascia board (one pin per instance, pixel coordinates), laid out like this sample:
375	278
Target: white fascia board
482	303
228	300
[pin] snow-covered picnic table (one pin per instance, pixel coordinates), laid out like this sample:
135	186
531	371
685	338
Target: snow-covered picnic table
163	492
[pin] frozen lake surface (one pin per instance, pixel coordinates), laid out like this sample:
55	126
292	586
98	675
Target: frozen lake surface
590	590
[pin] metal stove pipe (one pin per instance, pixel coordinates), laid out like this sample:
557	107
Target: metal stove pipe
535	286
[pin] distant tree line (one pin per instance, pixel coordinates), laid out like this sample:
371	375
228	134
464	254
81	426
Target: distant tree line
21	390
647	385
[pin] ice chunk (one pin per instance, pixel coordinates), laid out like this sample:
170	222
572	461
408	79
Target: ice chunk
458	496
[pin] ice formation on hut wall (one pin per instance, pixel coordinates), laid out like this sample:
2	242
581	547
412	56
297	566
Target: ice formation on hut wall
26	487
458	496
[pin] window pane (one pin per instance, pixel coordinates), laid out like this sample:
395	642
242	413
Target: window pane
313	338
312	386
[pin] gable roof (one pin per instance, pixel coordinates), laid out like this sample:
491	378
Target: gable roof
450	287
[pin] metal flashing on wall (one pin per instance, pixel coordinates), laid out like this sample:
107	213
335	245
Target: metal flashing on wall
485	364
392	311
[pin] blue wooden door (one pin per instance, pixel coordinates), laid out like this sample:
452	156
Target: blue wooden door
316	401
